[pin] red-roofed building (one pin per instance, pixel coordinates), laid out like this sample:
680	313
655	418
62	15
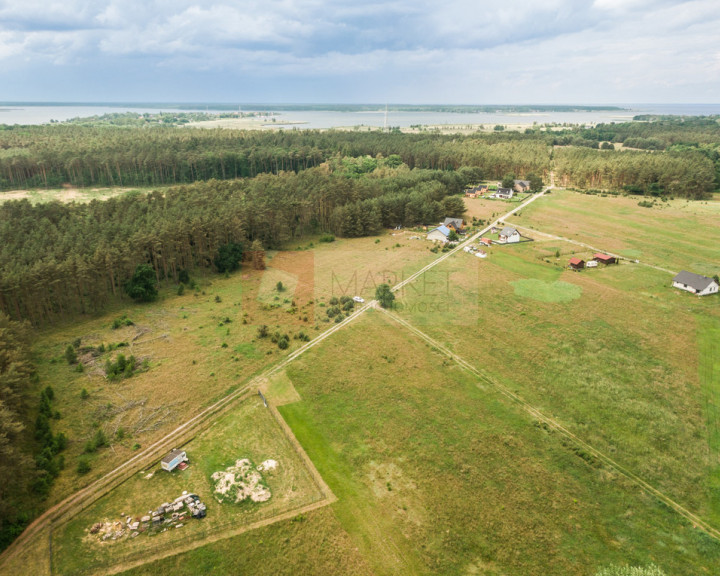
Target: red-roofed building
576	263
485	241
605	259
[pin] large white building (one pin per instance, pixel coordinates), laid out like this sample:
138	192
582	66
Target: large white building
695	283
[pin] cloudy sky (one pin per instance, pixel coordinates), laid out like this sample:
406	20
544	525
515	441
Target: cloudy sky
339	51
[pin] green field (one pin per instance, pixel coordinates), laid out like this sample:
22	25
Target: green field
437	474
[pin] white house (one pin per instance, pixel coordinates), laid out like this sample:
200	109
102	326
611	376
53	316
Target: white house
695	283
439	234
504	193
172	460
508	235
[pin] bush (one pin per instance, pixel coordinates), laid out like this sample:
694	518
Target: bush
83	466
327	238
70	355
333	301
262	331
142	287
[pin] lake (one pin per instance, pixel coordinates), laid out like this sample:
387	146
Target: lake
28	113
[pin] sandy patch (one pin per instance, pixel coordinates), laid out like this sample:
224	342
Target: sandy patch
239	482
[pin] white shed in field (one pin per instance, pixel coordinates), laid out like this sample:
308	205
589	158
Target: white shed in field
695	283
172	460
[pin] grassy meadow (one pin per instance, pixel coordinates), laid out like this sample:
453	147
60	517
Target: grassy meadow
200	345
612	353
677	234
436	473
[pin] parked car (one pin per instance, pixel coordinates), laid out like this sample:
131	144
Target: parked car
359	299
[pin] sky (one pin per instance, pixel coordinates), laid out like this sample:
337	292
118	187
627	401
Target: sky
355	51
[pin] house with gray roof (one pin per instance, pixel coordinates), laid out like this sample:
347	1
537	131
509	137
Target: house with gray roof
695	283
521	185
508	235
454	223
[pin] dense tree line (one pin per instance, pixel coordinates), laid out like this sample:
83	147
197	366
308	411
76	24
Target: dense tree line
22	478
689	174
50	156
66	259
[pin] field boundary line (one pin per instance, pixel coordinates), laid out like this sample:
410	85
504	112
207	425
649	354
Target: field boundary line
593	249
697	521
104	484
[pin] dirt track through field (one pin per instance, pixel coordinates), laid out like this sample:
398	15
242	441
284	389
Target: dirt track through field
555	425
103	485
592	248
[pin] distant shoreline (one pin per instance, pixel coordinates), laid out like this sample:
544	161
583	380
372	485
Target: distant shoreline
375	108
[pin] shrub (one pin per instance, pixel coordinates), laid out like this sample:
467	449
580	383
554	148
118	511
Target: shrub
70	355
327	238
83	466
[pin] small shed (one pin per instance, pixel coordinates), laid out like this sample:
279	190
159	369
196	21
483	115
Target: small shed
485	241
576	263
695	283
172	460
604	259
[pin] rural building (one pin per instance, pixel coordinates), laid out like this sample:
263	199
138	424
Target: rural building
439	234
604	259
504	193
454	223
476	191
522	186
508	235
172	460
695	283
485	241
576	263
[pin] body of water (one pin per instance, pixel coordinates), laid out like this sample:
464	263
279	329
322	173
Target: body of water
41	114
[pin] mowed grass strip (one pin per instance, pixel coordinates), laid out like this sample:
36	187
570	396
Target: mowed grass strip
314	543
437	474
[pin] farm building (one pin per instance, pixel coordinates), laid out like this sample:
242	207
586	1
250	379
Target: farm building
439	234
172	460
604	259
504	193
695	283
576	263
522	186
454	223
508	235
485	241
476	191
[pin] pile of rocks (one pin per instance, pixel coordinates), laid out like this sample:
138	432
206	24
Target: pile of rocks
167	515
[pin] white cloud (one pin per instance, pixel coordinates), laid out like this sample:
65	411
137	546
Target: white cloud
458	50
